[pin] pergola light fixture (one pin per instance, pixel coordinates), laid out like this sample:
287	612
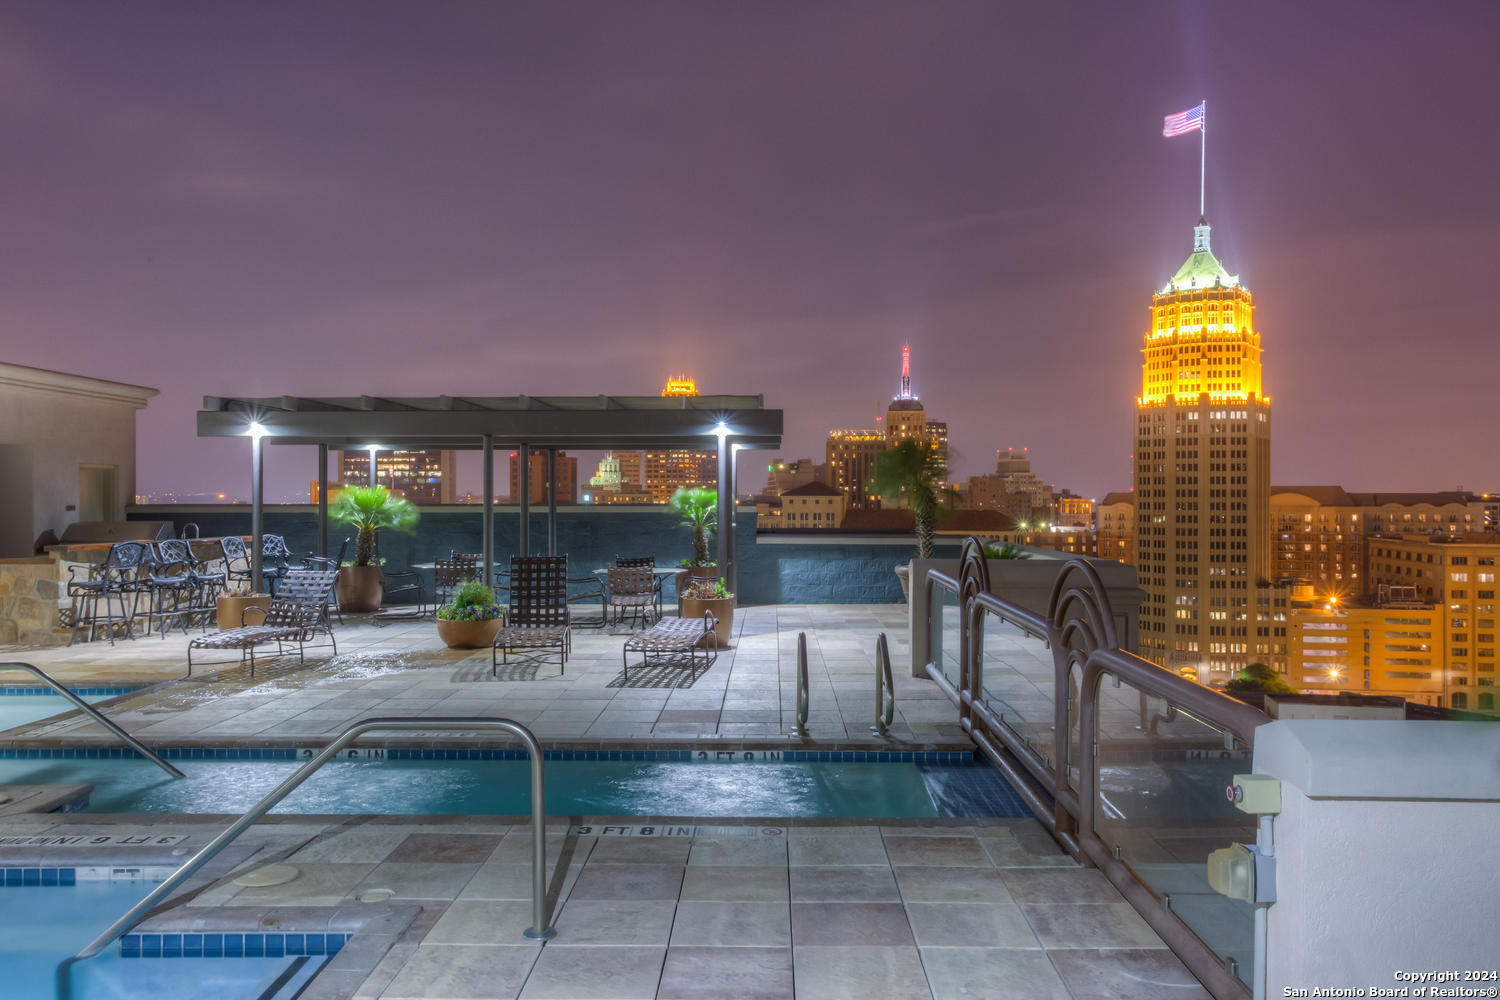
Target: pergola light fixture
256	429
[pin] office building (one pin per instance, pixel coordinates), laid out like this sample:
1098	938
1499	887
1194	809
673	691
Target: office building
1202	479
666	471
850	458
567	477
421	475
1117	527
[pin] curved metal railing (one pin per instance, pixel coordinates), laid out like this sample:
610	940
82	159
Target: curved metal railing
95	714
800	729
539	931
1081	632
885	688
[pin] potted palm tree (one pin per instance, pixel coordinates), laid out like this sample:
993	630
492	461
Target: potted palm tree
910	474
471	619
699	507
368	508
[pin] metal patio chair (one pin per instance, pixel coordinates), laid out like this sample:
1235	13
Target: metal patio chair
117	578
178	586
538	609
650	563
673	637
631	589
448	574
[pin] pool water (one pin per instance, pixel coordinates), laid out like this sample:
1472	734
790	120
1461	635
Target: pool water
17	708
574	788
42	925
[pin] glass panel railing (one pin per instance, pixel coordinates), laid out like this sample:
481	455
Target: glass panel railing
944	635
1017	682
1161	807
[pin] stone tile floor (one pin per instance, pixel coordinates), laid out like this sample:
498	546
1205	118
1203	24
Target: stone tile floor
917	909
747	696
907	910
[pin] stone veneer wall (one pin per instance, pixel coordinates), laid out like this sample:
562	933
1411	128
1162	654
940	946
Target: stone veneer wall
784	571
29	589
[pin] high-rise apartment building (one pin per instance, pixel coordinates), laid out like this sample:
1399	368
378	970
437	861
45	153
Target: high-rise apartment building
1203	479
421	475
668	470
1390	644
567	477
1457	574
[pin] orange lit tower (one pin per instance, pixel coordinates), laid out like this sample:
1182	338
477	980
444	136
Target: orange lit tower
1202	478
668	469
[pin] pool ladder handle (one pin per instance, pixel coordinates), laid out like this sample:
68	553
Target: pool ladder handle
97	715
885	688
538	931
800	729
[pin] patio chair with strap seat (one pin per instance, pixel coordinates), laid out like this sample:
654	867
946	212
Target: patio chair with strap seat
632	590
675	636
298	614
538	609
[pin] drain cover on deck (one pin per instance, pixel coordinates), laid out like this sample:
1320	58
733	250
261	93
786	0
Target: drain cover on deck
268	875
376	895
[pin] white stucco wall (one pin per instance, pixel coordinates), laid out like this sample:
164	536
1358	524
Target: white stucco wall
1387	852
50	424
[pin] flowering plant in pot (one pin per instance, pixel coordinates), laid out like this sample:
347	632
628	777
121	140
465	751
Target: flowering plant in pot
698	596
471	619
368	508
699	507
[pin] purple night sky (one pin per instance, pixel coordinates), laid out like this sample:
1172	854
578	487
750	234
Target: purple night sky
495	198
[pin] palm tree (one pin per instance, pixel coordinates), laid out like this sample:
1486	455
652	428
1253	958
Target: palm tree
370	508
911	474
699	507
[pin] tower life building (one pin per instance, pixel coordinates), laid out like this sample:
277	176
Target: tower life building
906	419
1202	479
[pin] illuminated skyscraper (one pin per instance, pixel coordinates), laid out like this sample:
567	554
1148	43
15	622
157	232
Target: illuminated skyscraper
1202	478
906	418
421	475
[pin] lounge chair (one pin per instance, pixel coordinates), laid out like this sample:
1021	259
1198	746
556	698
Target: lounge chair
675	636
538	609
297	615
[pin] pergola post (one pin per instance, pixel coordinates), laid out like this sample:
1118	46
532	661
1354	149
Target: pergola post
374	476
726	513
552	501
257	508
488	531
523	455
323	500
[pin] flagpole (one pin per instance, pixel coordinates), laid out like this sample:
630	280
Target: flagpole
1202	156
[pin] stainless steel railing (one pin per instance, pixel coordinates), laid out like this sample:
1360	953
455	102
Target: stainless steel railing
538	931
800	729
885	688
1059	776
95	714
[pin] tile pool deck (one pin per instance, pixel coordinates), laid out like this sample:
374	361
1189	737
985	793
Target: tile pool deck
826	909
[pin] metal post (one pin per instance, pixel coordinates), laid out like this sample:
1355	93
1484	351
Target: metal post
257	509
732	571
487	533
885	688
726	510
374	477
323	500
523	544
552	501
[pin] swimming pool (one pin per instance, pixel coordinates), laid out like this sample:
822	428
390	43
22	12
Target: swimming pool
574	788
20	705
42	925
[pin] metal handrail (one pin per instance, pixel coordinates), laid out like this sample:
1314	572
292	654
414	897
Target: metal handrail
885	688
800	729
97	715
539	931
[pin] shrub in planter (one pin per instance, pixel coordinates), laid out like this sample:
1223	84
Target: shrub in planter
699	596
471	619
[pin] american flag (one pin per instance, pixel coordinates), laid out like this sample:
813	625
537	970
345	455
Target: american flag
1183	122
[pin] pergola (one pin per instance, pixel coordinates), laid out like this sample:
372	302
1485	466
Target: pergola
523	423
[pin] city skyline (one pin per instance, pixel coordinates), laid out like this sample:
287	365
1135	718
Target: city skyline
932	180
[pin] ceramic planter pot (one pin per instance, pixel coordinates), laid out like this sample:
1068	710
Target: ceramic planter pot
359	589
689	574
469	635
722	608
231	609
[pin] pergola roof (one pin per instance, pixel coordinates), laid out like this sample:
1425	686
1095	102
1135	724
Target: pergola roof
459	422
